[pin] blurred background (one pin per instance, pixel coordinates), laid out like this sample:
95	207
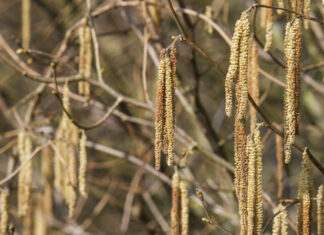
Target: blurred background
125	194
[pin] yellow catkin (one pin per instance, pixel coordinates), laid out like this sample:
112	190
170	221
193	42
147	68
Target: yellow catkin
160	111
280	225
175	204
280	163
169	120
67	137
320	210
290	111
26	23
85	58
263	13
297	72
258	172
4	212
276	222
305	194
25	175
233	67
155	13
253	80
269	26
184	209
209	14
83	165
46	202
307	8
251	192
241	171
242	83
280	4
40	226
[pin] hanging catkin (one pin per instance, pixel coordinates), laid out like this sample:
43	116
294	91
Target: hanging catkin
233	66
292	90
280	225
280	4
184	209
165	108
209	13
4	211
175	204
160	111
67	142
238	66
24	178
83	165
25	23
280	163
320	210
253	80
269	26
85	58
307	8
305	195
263	13
242	83
254	192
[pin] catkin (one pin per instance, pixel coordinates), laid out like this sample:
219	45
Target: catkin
83	165
165	108
4	212
253	80
251	152
307	8
169	111
155	12
280	163
233	67
281	4
184	209
160	111
175	204
291	113
67	142
85	58
242	83
26	23
258	170
269	26
25	175
280	225
320	210
305	195
263	13
209	14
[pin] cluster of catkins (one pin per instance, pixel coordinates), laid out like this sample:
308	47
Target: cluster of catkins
85	58
180	206
165	108
69	147
243	70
